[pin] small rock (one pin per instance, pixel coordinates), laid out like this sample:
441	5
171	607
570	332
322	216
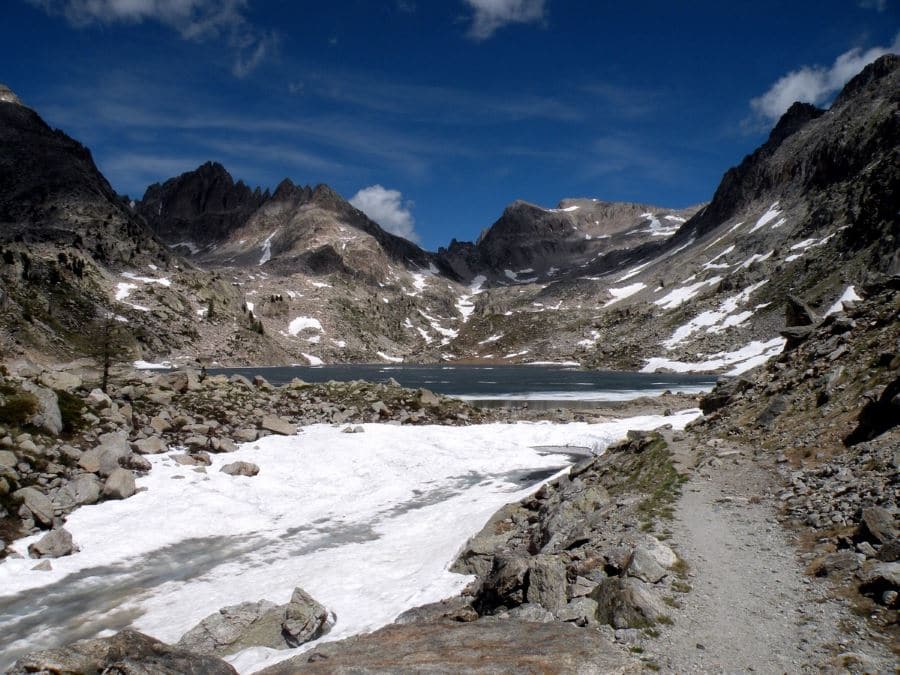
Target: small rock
152	445
38	503
277	425
240	469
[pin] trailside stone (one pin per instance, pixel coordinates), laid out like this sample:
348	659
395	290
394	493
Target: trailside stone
305	619
127	652
231	629
582	611
530	612
54	544
60	379
38	503
661	553
643	566
627	603
47	416
119	484
179	381
240	469
277	425
547	582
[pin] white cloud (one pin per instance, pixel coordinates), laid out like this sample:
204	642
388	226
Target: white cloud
493	14
192	19
815	84
388	209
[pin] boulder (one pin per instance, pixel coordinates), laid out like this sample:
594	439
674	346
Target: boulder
725	392
98	400
240	469
104	459
547	582
125	653
530	612
644	566
878	525
505	585
48	416
119	484
277	425
627	603
38	503
581	611
60	379
661	553
81	490
135	463
54	544
245	435
152	445
179	381
304	619
797	312
8	459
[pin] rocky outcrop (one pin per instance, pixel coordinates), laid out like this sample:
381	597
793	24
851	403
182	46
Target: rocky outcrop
484	647
259	624
55	544
127	652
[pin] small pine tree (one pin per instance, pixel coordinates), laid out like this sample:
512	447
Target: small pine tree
107	343
210	310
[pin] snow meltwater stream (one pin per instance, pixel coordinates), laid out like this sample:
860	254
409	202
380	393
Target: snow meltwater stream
367	523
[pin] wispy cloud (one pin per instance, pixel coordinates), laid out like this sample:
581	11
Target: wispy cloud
388	209
196	20
490	15
877	5
816	84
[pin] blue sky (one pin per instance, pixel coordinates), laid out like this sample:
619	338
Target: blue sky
433	115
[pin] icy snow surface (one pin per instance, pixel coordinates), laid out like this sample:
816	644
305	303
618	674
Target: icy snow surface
368	525
313	360
267	249
388	357
743	359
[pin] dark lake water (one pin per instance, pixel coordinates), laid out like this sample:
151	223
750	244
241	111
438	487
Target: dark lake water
485	384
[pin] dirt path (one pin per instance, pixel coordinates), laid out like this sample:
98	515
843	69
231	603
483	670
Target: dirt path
751	608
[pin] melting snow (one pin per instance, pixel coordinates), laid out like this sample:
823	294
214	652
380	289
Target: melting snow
767	217
743	359
267	249
634	271
492	338
849	295
313	360
624	292
676	219
392	359
677	296
717	320
756	257
302	323
147	280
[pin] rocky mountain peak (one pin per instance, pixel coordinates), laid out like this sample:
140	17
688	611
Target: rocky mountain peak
796	117
877	70
7	95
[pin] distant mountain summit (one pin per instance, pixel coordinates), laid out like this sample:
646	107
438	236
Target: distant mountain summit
7	95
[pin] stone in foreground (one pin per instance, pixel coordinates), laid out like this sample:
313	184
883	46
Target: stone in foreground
496	647
55	544
125	653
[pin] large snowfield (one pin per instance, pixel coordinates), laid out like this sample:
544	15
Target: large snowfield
368	523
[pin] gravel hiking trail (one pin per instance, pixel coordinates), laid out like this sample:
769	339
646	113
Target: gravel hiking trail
751	608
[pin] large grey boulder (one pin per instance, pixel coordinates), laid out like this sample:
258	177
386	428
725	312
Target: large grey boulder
878	524
125	653
119	484
60	379
179	381
643	566
8	459
105	458
81	490
38	503
304	619
54	544
259	624
627	603
47	416
547	582
277	425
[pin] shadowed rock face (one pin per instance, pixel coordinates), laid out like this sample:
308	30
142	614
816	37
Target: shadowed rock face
508	646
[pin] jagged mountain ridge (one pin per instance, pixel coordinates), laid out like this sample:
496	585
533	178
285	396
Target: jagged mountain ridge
811	213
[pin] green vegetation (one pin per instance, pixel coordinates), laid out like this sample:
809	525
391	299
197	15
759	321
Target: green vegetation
16	406
70	407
